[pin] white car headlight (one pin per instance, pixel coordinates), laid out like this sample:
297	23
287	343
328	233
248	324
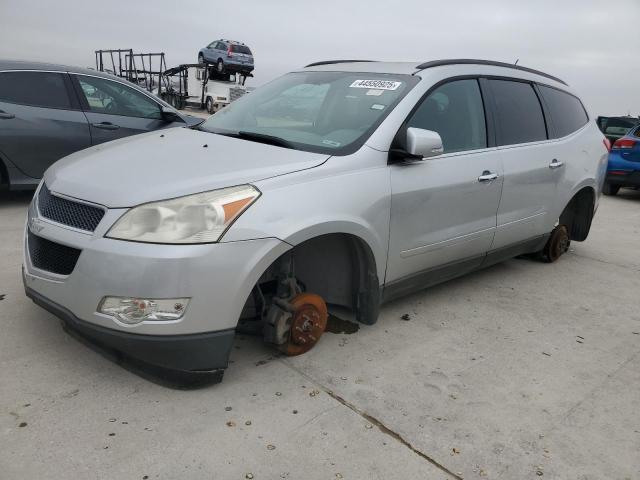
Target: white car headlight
199	218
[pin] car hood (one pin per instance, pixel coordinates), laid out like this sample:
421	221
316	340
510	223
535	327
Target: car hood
170	163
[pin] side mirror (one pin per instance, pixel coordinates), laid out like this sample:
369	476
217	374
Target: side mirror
170	115
423	143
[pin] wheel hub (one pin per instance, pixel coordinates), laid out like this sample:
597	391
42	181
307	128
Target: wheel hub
309	320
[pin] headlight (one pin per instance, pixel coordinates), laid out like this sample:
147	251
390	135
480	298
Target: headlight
199	218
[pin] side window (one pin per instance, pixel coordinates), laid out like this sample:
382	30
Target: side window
454	110
567	112
519	114
114	98
221	46
37	89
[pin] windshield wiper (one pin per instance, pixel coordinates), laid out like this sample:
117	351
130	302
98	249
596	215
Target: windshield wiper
264	138
253	137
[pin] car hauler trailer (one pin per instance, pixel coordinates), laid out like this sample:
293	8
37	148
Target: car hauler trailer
143	69
200	86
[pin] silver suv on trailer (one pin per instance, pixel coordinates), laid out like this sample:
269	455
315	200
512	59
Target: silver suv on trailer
341	185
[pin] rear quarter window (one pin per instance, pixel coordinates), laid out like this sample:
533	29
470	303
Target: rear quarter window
518	112
567	112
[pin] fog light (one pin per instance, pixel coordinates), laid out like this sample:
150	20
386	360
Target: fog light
135	310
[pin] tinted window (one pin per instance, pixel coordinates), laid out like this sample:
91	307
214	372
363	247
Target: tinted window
456	112
519	114
105	96
221	46
39	89
567	113
241	49
619	122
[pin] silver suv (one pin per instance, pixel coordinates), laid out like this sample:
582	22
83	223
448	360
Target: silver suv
338	186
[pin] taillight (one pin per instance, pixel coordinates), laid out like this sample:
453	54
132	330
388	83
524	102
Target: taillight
623	144
229	52
607	143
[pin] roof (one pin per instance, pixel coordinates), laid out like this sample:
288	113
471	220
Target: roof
410	68
368	66
234	42
26	65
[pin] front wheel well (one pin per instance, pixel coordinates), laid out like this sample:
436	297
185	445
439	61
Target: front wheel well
578	214
340	268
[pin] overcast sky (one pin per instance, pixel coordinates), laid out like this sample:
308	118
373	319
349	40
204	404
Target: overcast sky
593	45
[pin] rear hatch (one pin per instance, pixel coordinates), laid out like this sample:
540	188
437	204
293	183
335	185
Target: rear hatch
629	146
241	54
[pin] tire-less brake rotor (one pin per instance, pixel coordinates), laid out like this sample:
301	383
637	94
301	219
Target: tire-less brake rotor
308	322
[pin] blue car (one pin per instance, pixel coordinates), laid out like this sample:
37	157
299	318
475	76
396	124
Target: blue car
228	56
624	163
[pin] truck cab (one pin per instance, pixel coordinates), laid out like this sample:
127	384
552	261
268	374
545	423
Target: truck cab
200	86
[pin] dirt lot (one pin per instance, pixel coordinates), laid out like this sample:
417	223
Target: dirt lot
524	370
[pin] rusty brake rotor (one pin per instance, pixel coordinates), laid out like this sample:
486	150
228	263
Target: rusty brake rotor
557	245
309	320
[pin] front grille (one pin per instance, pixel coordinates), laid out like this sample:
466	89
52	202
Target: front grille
68	212
50	256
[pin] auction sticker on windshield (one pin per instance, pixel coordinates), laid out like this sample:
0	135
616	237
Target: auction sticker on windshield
376	84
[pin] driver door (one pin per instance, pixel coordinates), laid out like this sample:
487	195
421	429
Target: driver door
115	110
443	209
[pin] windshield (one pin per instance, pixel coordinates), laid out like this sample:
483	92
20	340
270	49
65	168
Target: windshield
326	112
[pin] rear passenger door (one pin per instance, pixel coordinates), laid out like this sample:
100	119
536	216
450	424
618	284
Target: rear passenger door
115	110
40	120
531	169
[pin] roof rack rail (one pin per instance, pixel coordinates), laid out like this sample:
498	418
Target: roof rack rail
331	62
467	61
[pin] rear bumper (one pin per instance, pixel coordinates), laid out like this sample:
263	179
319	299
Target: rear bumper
176	358
622	171
239	67
631	179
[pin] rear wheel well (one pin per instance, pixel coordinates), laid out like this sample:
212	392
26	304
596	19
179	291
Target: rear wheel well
340	268
578	214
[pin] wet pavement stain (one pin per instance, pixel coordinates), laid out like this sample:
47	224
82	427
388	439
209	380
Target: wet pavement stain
337	325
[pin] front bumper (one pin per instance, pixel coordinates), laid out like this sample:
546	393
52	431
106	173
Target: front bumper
175	358
216	278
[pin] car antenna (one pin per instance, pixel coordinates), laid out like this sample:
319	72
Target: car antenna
517	60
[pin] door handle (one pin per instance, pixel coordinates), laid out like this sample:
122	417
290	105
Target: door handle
487	176
6	115
555	163
106	126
